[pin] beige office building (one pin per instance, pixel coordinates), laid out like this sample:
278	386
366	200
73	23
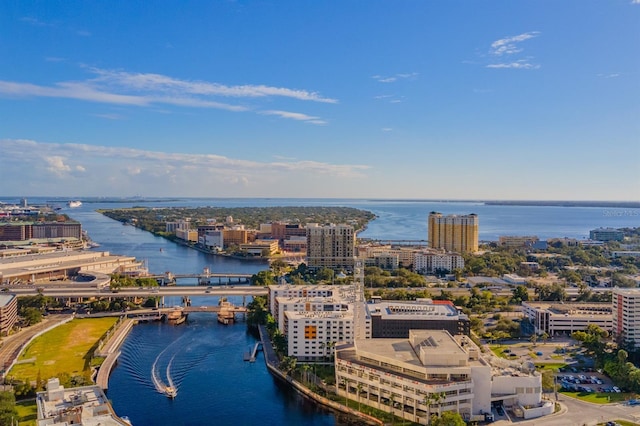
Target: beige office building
453	232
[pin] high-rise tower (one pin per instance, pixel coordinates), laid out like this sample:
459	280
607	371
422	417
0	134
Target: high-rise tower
453	232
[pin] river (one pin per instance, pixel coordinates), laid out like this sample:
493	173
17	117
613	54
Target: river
204	358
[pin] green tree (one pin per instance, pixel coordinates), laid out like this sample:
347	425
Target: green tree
448	418
520	294
263	278
32	316
8	410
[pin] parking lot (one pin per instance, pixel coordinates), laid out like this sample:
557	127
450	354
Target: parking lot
586	381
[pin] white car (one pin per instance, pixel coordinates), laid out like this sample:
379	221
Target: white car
616	389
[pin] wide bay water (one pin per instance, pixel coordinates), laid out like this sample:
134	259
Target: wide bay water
215	386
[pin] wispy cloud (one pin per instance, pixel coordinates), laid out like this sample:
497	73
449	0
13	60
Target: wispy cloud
53	59
36	22
118	167
387	129
396	77
150	82
510	45
295	116
523	64
635	1
109	116
140	89
83	33
612	75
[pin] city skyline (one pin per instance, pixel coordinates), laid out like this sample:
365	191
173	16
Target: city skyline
415	100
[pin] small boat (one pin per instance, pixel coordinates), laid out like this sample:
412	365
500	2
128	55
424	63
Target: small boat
171	392
74	203
176	317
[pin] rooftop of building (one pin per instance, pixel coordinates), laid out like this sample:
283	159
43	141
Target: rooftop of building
627	291
421	308
315	315
573	308
87	406
5	299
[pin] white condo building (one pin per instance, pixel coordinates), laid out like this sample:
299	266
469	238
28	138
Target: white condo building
626	314
427	263
315	318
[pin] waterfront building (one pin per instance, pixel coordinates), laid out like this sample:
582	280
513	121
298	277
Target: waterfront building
517	241
626	314
430	372
557	319
26	231
330	246
394	319
213	240
453	233
606	234
172	227
260	247
86	405
235	236
314	318
59	265
189	235
429	262
8	313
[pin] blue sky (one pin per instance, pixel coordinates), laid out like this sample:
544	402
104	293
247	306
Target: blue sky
386	99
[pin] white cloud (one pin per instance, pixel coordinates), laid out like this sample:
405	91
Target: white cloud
295	116
635	1
148	82
387	129
612	75
519	64
103	169
394	78
143	90
110	116
509	45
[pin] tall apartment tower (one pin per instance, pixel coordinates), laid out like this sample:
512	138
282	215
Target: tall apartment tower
330	246
626	314
453	232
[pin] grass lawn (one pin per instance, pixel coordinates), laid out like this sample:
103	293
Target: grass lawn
65	349
555	366
598	397
27	412
497	350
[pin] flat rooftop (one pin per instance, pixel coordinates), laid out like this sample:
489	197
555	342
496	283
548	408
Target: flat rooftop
87	406
412	310
556	308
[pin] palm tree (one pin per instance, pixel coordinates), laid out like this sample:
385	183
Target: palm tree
345	382
428	399
359	389
305	369
392	400
438	397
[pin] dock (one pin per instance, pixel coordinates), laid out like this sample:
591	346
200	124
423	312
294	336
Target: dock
111	352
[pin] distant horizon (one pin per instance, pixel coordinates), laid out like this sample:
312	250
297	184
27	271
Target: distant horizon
636	203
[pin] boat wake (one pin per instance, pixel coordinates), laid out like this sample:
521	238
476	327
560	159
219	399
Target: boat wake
168	388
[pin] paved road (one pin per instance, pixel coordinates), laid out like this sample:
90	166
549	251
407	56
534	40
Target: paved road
12	345
579	413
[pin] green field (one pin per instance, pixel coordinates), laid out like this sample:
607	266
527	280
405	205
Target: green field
555	366
65	349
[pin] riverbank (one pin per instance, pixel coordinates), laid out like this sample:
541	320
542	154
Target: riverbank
271	361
